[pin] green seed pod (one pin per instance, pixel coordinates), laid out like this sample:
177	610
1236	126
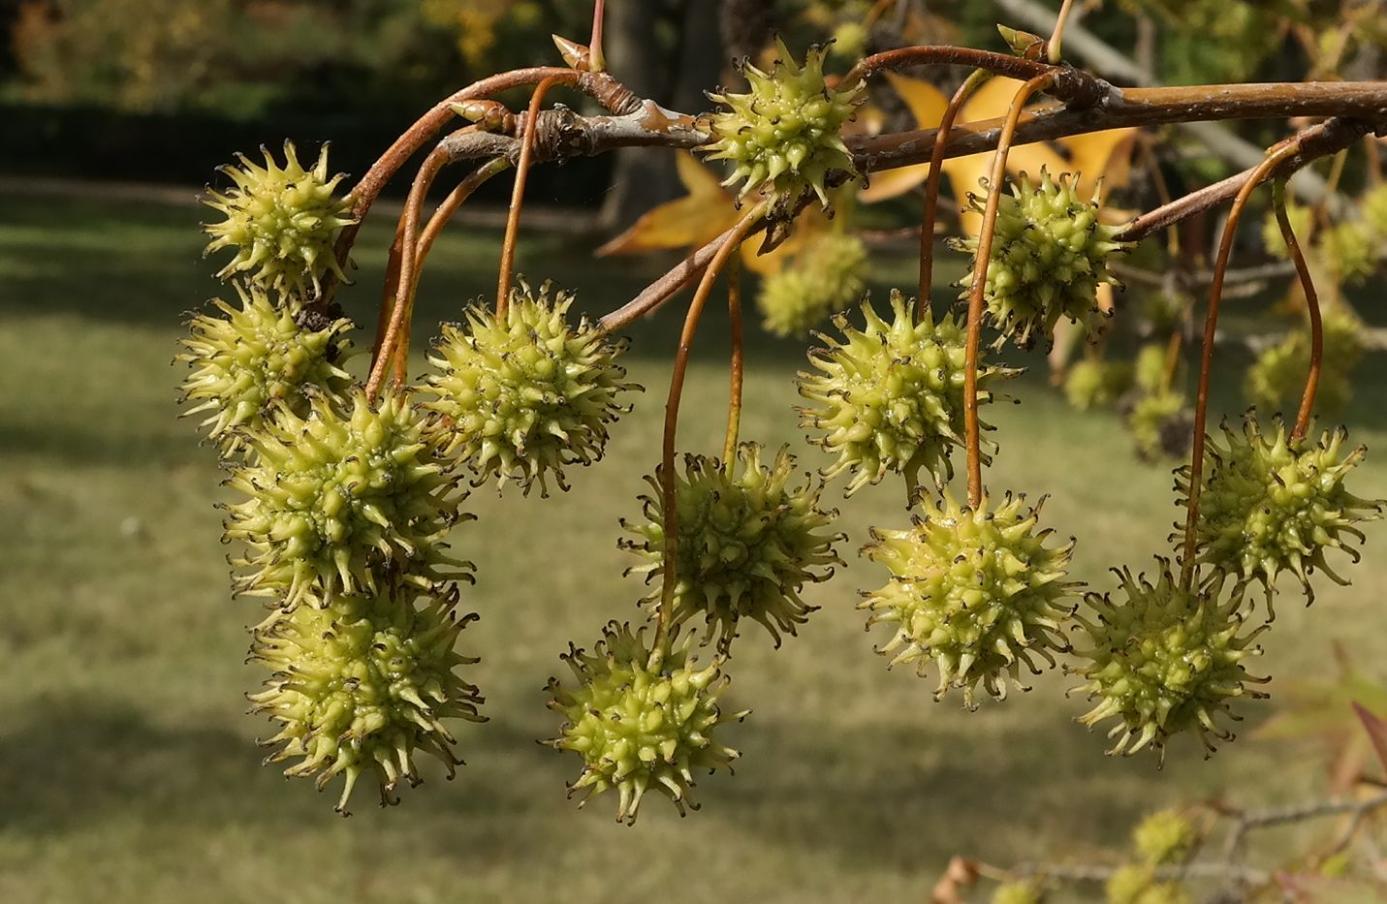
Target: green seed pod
978	593
363	685
334	502
824	279
1049	256
850	40
1270	506
522	395
256	356
1161	425
281	220
889	397
748	543
1092	383
1277	378
638	727
786	133
1165	837
1164	661
1024	892
1302	219
1135	884
1350	252
1150	367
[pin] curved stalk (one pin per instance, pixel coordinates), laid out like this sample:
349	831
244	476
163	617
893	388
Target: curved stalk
997	183
1312	302
668	481
1053	51
1275	160
737	367
930	212
517	201
428	236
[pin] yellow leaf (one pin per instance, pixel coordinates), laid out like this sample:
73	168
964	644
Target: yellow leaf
927	104
1101	155
688	222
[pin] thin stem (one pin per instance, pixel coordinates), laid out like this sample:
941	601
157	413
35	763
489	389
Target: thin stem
1267	168
408	232
996	185
1312	303
945	54
1053	53
737	366
428	236
668	479
930	212
517	200
597	61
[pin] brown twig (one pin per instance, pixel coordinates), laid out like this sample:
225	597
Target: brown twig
944	54
1312	303
996	185
930	211
737	366
668	478
517	200
1276	160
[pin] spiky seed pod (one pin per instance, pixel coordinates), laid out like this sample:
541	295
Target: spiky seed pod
282	222
1049	256
1301	218
976	592
363	685
254	356
521	395
1161	425
1164	660
748	543
1350	252
786	133
823	280
1165	837
336	501
1150	367
889	397
1269	505
637	728
850	40
1138	884
1023	892
1092	383
1277	378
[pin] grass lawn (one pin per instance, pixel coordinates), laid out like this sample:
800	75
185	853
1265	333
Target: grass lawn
128	770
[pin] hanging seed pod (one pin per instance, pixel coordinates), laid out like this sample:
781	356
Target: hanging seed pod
823	280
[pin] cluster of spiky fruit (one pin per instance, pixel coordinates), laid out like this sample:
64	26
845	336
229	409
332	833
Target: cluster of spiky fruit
257	356
889	397
282	222
362	685
1138	883
976	592
748	542
1165	837
522	393
1093	382
1277	378
1164	660
335	501
1271	505
641	724
785	134
824	279
1049	254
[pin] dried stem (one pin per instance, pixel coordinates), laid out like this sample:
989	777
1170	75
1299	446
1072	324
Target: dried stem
1312	303
996	185
668	478
429	235
944	54
737	366
517	200
597	60
1269	167
930	212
